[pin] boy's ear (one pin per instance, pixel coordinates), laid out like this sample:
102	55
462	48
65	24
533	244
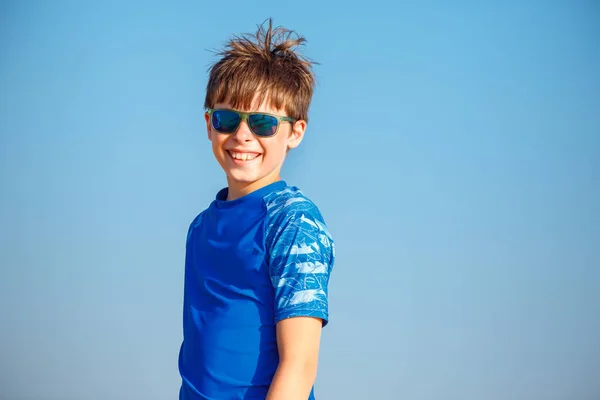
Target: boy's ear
207	119
297	133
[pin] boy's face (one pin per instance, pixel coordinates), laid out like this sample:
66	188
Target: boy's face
252	162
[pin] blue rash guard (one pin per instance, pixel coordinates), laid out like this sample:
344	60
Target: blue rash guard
250	263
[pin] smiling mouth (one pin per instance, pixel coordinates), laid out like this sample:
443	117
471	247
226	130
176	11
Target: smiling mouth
238	156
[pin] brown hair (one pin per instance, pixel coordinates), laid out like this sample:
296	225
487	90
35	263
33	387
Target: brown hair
265	64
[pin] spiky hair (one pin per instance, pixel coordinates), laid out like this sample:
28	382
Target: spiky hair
265	64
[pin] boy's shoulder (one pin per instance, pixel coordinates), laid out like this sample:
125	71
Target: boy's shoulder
291	213
195	223
291	202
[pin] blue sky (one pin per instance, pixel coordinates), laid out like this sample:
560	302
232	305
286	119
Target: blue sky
454	151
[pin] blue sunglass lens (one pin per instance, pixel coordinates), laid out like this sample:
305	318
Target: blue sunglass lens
263	125
225	121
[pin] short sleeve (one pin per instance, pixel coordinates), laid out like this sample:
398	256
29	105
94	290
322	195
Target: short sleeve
300	263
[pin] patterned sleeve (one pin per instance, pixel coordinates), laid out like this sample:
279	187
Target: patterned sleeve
301	259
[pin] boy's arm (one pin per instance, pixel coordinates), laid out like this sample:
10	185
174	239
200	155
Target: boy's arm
298	341
301	257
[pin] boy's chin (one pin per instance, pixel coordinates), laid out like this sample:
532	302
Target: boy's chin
247	179
242	179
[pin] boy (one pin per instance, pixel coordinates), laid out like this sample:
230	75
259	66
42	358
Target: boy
258	259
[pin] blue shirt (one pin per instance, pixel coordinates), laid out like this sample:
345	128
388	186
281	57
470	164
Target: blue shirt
250	263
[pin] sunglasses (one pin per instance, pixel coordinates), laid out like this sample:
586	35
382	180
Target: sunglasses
260	124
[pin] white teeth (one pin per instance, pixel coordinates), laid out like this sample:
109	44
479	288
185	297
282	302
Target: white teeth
243	156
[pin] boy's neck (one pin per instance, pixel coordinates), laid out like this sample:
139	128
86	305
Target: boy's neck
235	190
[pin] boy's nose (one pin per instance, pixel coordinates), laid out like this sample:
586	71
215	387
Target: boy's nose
243	133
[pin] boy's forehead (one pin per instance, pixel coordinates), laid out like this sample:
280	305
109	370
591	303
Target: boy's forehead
264	104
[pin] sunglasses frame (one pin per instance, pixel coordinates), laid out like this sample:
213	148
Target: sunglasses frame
244	117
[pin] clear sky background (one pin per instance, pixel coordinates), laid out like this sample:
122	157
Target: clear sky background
454	150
